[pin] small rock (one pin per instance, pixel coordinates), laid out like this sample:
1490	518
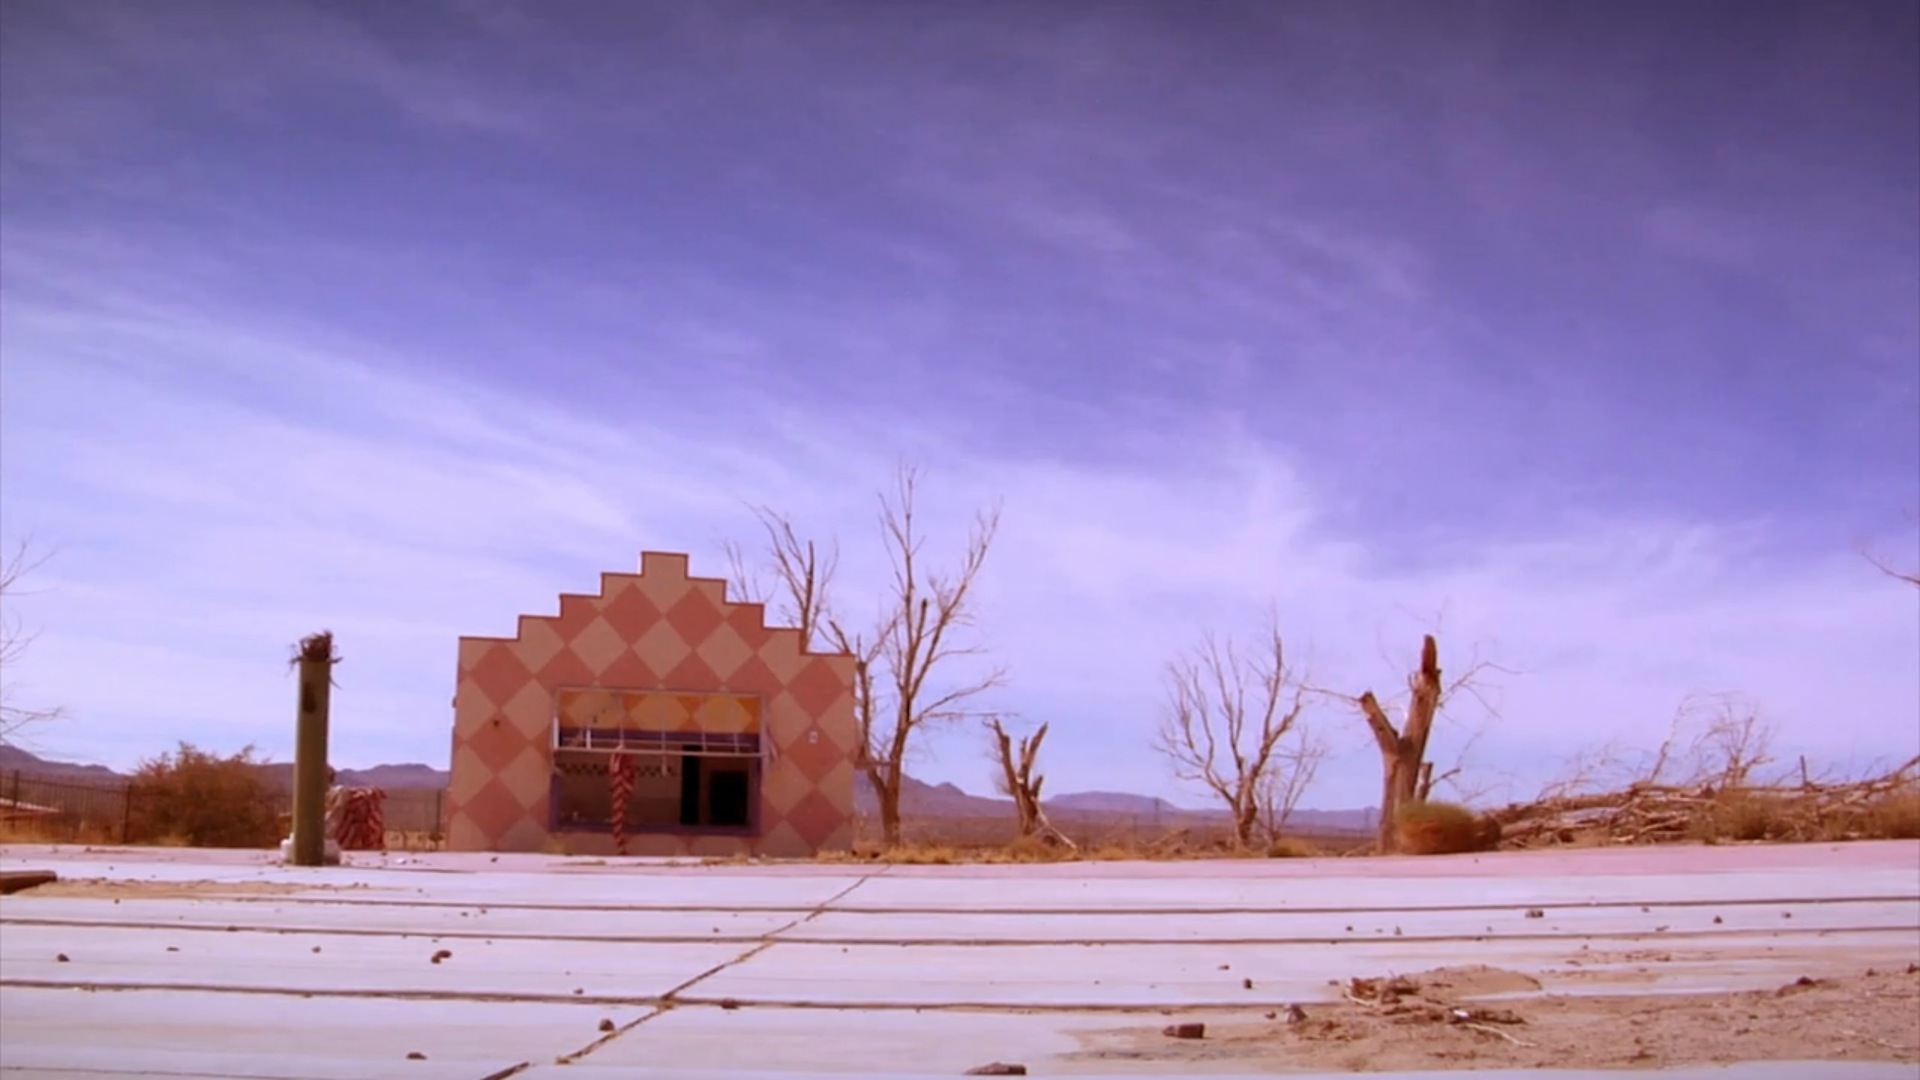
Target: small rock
316	948
443	954
1271	1015
1717	920
61	958
606	1024
173	948
729	1004
1296	1015
577	991
1226	967
415	1055
1786	914
1246	984
997	1068
1185	1031
1536	913
1913	969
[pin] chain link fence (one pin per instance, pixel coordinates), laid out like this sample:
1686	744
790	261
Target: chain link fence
39	808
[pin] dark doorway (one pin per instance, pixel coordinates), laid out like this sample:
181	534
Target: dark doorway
690	771
727	803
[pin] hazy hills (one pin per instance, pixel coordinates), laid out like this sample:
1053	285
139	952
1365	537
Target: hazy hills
918	800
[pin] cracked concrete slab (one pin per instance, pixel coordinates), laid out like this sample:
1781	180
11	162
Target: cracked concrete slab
794	970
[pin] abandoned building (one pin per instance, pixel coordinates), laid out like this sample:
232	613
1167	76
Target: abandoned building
657	717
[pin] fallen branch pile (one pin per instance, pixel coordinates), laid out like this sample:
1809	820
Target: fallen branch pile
1650	813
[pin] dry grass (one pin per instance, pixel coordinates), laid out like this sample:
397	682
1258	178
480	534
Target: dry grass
1291	847
1441	828
1741	816
55	829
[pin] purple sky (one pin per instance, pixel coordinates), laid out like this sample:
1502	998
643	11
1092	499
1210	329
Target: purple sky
1590	330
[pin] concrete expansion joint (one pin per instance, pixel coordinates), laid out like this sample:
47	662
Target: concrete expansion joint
673	997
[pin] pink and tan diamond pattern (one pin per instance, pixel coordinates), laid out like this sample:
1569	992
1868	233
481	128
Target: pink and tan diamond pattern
658	630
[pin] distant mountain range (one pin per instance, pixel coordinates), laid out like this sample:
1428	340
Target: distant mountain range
278	774
918	799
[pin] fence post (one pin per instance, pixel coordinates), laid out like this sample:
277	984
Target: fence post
126	813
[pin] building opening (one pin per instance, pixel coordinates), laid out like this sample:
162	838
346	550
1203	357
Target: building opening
676	779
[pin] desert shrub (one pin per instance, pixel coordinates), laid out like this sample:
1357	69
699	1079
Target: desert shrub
201	799
1441	828
1289	847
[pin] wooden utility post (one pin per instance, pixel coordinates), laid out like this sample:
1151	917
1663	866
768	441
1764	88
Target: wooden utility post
315	661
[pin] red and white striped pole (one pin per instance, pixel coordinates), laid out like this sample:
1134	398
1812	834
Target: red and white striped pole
620	770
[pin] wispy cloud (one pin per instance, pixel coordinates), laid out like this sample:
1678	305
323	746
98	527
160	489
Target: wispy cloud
410	386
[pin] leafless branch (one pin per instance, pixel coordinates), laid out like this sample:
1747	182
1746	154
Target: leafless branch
15	639
802	588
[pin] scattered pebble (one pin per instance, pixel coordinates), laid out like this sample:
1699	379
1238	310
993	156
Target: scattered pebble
61	958
173	948
443	954
415	1055
1185	1031
729	1004
997	1068
316	948
1536	913
1246	984
1717	920
606	1024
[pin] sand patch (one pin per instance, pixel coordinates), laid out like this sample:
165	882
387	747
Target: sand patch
1405	1023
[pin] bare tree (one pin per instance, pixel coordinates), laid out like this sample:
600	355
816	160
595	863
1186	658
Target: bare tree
912	643
801	591
918	637
15	640
1406	775
1225	719
1019	782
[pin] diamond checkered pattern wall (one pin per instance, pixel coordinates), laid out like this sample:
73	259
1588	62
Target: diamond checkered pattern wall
655	630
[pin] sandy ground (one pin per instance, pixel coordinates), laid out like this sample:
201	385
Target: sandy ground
1440	1021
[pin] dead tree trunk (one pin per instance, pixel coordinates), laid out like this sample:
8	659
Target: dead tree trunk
1403	753
1017	781
1016	773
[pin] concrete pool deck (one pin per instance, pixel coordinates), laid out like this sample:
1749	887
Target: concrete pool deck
196	963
